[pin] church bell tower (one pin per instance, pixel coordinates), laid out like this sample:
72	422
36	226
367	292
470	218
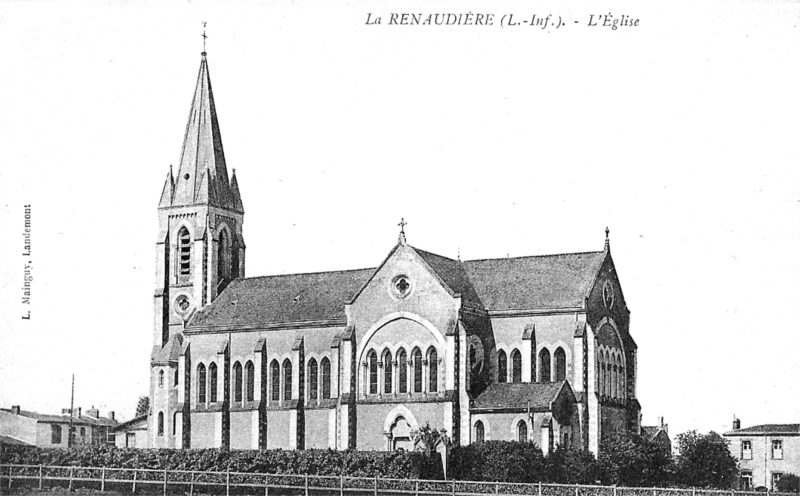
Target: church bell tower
199	249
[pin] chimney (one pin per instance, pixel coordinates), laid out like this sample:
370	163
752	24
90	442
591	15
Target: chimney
15	409
111	415
93	412
737	424
65	411
79	411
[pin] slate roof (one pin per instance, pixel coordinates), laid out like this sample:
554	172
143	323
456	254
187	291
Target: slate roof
766	429
503	284
82	420
13	440
650	431
517	395
548	281
284	298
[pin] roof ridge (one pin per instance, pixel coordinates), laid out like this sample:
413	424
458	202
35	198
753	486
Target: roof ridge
269	276
536	256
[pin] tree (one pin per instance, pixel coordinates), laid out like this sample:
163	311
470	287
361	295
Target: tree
428	438
705	461
143	406
632	460
789	483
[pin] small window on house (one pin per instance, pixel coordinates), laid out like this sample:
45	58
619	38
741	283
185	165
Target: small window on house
130	439
287	380
275	371
160	378
312	380
502	366
516	366
237	382
372	365
250	377
417	358
561	364
479	432
201	384
176	378
387	372
402	372
160	423
433	370
522	432
746	480
184	252
747	449
83	435
55	434
174	423
212	381
326	379
776	478
777	449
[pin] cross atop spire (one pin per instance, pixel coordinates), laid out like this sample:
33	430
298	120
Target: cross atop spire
607	231
402	238
204	37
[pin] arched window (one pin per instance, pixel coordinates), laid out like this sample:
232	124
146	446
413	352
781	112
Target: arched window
223	262
212	381
237	382
184	253
516	366
275	371
326	379
160	378
387	372
287	380
55	434
560	358
250	377
522	431
533	364
416	356
478	431
313	380
201	384
433	370
402	372
502	366
544	365
372	370
174	423
176	377
160	423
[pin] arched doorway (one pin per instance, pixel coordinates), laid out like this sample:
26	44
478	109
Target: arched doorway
401	435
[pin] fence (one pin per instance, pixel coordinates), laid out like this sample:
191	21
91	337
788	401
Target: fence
154	481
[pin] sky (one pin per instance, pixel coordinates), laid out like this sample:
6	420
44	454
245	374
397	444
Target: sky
679	134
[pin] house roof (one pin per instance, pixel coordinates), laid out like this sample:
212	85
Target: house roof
12	440
766	429
514	395
505	284
131	422
62	419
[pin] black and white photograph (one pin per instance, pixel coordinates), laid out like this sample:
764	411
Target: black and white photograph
400	247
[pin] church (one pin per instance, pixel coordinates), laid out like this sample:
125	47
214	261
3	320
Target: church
528	349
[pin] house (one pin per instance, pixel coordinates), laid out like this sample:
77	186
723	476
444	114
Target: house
658	434
132	434
51	431
765	452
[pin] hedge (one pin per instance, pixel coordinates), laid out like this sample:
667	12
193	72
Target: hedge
394	464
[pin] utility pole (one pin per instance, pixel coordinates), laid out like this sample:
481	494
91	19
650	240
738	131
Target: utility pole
71	412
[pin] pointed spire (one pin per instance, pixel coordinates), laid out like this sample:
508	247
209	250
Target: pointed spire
607	246
202	174
237	197
168	191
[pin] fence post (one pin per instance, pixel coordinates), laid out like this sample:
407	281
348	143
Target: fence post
576	490
191	485
376	485
416	488
71	472
228	482
454	487
40	477
540	488
306	481
165	482
103	480
497	488
615	490
341	485
266	485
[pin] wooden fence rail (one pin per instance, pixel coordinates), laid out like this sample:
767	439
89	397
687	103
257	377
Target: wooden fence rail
190	481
